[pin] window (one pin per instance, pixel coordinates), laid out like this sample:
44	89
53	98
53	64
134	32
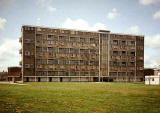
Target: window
50	37
84	51
94	41
123	63
73	32
28	40
63	38
131	43
74	73
50	61
50	42
122	42
92	73
63	73
113	73
55	61
115	52
38	41
44	49
92	51
72	50
63	50
44	61
74	62
63	62
39	49
115	63
131	53
38	61
39	29
44	37
62	31
44	73
123	53
84	40
27	53
39	66
74	39
131	73
51	66
27	65
52	73
38	73
121	73
84	73
111	63
84	62
39	36
115	42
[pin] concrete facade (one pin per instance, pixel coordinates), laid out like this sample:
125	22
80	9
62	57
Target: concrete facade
65	55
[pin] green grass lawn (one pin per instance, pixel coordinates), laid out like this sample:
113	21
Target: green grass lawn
74	97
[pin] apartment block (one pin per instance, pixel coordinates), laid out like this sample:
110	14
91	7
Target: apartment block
64	55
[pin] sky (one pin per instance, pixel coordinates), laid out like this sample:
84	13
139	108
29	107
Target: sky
140	17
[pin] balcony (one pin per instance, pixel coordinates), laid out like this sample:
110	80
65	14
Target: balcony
20	63
20	51
20	39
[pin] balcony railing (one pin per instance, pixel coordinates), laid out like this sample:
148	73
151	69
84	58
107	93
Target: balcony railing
20	39
20	51
20	63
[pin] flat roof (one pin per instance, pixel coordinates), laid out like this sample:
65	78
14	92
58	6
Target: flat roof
99	31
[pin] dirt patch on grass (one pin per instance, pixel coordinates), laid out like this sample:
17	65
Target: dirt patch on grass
126	91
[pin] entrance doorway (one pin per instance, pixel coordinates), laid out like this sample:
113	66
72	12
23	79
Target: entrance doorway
61	79
50	79
27	79
39	79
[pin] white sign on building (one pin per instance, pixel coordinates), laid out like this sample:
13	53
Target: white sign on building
153	80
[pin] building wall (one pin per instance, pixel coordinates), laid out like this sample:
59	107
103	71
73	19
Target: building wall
125	54
72	55
3	76
148	72
153	80
156	71
14	71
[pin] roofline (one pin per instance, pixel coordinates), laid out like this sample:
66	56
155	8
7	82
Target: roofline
60	28
14	67
127	34
149	68
82	30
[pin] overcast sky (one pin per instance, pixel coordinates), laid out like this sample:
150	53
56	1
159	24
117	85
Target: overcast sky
118	16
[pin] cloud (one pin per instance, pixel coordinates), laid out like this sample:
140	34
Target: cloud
148	2
38	21
9	55
51	9
113	14
133	30
152	41
2	23
152	48
46	4
150	62
43	2
82	25
157	15
6	4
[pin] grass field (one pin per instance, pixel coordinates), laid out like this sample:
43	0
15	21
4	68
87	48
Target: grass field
79	98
